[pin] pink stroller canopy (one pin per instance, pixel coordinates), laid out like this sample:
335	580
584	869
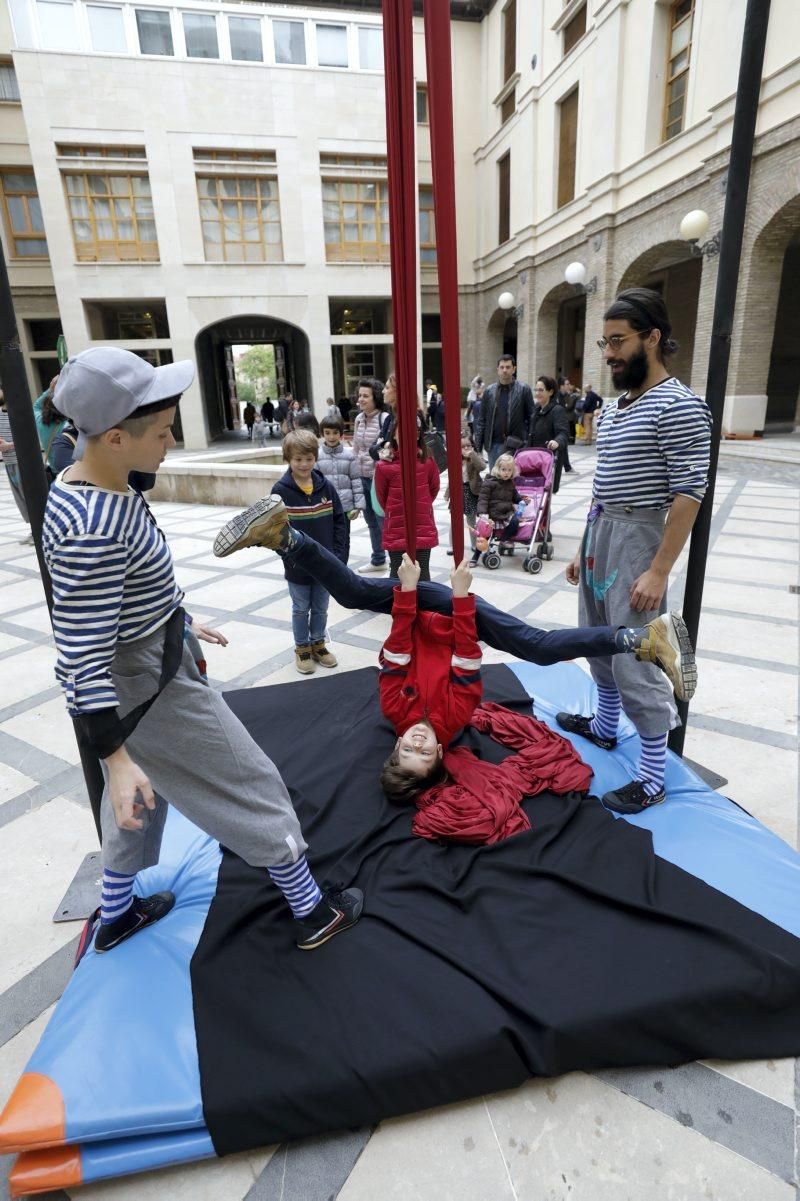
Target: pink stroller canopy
536	461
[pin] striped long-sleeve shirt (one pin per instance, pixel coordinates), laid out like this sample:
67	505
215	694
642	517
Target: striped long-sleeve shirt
113	581
654	449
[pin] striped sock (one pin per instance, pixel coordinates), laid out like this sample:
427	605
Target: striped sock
116	897
653	762
606	718
297	885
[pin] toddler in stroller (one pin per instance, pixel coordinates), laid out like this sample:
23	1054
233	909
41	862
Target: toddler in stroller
517	509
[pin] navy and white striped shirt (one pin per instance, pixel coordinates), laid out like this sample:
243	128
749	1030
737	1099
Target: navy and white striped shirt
655	449
113	582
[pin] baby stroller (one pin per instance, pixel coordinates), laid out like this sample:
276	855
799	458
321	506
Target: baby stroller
534	482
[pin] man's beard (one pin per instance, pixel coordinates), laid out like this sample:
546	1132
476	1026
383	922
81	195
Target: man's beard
631	374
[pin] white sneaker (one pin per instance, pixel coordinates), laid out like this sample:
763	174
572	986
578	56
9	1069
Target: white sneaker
371	569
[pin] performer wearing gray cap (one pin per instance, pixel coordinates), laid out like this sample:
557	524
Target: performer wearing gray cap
131	665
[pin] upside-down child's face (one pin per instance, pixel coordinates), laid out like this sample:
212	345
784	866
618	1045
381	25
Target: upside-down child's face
301	466
332	437
418	749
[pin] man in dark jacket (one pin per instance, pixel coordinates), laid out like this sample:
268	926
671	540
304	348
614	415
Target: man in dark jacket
549	424
506	411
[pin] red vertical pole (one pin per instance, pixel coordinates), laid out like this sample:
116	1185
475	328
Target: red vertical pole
398	57
440	106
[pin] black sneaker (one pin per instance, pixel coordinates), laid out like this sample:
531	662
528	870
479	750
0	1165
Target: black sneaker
338	910
632	798
143	912
576	723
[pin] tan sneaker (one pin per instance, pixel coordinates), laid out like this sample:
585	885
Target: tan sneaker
304	660
264	524
322	655
667	644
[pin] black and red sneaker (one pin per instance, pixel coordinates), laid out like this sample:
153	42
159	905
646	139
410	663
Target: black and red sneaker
338	910
143	912
576	723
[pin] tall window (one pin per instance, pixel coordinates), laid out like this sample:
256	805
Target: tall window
9	88
509	40
678	56
110	207
422	104
22	214
200	32
331	45
290	42
245	35
155	31
567	147
58	25
370	48
504	198
574	29
427	227
107	28
355	207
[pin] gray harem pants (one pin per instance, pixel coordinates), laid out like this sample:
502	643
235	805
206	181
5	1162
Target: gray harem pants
199	758
618	545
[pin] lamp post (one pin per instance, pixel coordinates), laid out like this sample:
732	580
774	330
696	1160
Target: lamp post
506	302
694	227
575	274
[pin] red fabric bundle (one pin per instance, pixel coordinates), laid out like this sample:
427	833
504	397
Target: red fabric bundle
480	802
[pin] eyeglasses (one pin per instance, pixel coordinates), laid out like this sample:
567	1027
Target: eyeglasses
616	340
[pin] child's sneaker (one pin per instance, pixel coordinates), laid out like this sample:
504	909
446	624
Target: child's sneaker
632	798
143	912
264	524
304	660
337	911
667	644
576	723
321	654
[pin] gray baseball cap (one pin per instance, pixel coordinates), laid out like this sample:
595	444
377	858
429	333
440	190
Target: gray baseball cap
100	387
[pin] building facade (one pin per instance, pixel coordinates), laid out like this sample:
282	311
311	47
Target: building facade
180	179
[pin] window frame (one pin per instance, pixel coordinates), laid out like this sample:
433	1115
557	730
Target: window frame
369	29
572	95
669	79
255	20
11	234
422	91
343	170
504	198
210	169
509	41
427	246
193	12
274	49
120	8
84	167
345	28
154	8
582	9
8	64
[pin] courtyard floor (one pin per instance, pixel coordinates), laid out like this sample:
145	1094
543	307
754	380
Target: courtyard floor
709	1130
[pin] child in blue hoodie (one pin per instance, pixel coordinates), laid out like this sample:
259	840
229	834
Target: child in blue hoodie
313	506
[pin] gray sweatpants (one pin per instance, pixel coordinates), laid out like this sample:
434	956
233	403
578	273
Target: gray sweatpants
199	758
618	545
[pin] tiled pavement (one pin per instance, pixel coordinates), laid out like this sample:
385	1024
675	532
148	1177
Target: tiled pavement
725	1131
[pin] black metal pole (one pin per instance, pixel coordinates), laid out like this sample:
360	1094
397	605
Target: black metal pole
751	64
34	482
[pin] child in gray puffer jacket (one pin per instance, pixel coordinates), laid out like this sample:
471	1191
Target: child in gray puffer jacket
339	465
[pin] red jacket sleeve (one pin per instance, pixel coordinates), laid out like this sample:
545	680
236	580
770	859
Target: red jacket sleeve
466	686
395	656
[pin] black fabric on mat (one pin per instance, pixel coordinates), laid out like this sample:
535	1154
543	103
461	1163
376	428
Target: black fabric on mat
568	947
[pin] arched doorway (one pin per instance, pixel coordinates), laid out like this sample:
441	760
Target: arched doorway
783	380
503	330
673	270
215	368
560	334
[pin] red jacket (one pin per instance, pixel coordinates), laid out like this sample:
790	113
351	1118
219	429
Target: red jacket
480	802
431	667
389	491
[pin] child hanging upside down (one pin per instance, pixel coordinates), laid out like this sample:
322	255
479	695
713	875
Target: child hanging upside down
430	681
661	641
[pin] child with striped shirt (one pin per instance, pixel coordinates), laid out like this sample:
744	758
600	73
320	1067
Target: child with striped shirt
130	663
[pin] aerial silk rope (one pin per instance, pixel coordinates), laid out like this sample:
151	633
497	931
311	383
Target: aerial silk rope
400	139
440	101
